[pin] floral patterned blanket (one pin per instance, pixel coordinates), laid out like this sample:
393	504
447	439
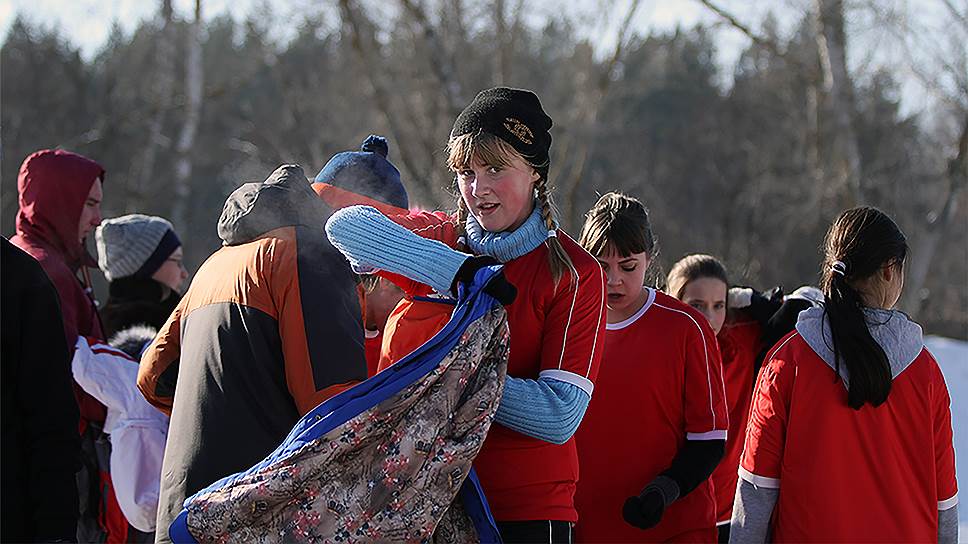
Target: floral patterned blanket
386	461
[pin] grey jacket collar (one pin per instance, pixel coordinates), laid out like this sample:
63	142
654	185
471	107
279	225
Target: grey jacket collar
899	337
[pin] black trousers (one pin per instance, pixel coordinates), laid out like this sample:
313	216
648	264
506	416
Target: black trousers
529	532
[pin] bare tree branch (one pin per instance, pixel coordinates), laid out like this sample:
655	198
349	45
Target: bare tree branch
440	62
360	31
903	31
766	43
589	116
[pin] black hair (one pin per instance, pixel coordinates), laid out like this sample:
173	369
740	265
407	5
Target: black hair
859	243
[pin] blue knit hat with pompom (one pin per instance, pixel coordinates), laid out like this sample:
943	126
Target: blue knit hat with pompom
367	172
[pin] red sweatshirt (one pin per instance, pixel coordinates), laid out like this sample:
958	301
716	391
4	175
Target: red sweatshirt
660	384
739	344
555	331
53	186
870	475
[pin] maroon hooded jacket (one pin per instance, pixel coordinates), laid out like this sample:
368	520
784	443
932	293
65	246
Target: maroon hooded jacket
53	186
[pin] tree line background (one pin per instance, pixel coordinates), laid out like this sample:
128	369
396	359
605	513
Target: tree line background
750	165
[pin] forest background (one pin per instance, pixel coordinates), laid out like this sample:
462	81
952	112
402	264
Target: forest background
749	159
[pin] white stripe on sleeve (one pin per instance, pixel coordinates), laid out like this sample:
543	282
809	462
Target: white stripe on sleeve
577	380
710	435
574	299
705	350
948	503
759	481
598	326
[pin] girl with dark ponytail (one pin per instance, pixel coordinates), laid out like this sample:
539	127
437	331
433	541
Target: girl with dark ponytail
498	151
875	249
851	413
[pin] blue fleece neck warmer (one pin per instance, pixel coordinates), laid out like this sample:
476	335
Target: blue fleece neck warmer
506	246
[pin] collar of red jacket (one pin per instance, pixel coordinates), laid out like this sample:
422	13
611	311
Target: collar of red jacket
53	186
338	198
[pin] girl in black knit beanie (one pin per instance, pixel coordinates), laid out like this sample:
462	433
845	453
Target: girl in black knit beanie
499	152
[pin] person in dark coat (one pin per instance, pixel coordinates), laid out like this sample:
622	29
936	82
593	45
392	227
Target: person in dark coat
141	257
269	328
40	444
59	197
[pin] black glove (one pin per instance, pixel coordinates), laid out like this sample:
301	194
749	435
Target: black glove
692	465
645	510
764	305
498	287
779	324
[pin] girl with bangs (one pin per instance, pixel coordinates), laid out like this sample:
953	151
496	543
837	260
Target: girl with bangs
657	426
553	291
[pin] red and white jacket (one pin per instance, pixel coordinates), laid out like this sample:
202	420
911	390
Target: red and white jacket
138	430
876	474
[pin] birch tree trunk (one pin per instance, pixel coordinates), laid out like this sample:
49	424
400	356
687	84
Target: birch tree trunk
832	45
164	86
194	80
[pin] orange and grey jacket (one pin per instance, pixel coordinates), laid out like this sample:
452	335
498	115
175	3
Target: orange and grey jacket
268	329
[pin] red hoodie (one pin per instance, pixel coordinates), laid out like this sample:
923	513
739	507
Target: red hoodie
53	186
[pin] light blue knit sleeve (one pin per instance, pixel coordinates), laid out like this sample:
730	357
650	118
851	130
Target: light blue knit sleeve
371	240
546	408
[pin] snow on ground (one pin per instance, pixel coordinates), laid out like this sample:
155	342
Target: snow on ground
952	356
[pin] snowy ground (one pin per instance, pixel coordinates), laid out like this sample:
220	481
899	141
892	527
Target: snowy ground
952	356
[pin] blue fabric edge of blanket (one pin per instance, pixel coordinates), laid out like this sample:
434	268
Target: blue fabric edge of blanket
473	303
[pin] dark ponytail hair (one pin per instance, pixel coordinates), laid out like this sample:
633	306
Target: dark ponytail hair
858	244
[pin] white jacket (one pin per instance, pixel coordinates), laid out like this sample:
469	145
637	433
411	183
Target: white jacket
138	430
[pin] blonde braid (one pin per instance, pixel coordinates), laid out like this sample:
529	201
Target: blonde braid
558	259
461	215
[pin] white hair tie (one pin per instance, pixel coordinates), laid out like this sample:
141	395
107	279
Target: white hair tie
839	267
552	234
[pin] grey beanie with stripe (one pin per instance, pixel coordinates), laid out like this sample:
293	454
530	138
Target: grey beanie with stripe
134	245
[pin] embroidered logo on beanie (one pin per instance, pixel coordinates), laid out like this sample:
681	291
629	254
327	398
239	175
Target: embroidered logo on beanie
519	129
513	115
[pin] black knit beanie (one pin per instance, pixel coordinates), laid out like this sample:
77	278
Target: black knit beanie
513	115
